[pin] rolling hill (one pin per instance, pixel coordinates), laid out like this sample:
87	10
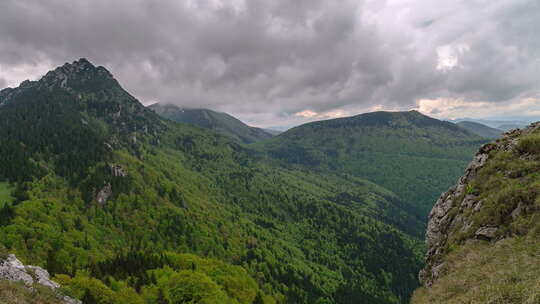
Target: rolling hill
123	206
217	121
480	129
415	156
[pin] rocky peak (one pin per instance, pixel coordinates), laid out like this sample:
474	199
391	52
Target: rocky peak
81	69
63	77
454	211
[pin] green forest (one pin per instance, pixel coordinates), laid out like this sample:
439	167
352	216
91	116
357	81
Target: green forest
122	206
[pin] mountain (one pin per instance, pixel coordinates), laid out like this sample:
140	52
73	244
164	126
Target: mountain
480	129
123	206
483	235
217	121
414	156
495	123
274	132
510	126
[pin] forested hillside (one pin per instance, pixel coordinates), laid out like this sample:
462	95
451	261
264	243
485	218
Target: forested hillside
122	206
415	156
217	121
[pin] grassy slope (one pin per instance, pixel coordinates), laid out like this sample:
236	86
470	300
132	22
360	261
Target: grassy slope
505	271
16	293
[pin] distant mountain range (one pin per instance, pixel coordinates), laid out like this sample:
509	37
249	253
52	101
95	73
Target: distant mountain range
504	125
217	121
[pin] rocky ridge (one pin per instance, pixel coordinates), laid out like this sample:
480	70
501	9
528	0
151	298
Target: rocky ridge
454	209
12	269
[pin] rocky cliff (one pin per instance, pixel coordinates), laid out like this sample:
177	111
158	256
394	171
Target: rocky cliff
495	204
11	269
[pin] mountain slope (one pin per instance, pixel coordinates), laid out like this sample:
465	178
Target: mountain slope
123	206
483	236
480	129
217	121
415	156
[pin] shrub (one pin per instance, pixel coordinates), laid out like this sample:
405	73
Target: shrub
529	144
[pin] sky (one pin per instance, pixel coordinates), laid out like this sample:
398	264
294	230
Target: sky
281	63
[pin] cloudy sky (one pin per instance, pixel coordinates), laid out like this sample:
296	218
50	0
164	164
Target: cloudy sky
277	62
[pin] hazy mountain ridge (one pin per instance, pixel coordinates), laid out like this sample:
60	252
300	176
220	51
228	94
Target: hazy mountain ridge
217	121
480	129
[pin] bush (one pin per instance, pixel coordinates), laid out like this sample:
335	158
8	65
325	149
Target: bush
529	144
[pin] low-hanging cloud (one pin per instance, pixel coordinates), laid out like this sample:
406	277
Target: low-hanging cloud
269	61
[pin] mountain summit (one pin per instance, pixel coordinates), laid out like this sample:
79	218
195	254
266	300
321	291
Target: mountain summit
76	112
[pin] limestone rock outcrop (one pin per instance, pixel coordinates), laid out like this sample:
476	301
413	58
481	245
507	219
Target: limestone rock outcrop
449	214
12	269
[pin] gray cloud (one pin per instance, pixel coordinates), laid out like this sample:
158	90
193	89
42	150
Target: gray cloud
267	60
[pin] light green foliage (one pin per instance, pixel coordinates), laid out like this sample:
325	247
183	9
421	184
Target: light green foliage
191	287
5	193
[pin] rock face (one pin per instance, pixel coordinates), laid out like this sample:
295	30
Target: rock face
104	194
12	269
449	214
117	170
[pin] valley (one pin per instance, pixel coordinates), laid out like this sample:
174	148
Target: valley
121	205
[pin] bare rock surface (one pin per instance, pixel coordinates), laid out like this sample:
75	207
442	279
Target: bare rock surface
12	269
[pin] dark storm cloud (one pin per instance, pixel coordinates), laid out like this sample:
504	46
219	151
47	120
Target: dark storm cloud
267	60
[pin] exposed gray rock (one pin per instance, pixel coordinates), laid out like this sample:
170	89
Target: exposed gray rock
486	233
104	194
117	170
12	269
518	211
